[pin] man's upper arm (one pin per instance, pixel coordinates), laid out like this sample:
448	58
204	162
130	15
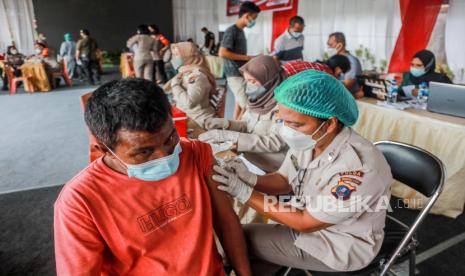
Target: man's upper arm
278	47
228	40
78	244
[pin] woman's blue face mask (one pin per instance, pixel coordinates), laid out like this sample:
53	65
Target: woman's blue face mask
417	72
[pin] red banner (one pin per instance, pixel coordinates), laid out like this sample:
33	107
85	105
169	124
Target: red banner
418	20
232	6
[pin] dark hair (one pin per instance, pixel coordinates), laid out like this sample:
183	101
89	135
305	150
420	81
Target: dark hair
296	20
8	49
248	7
132	104
340	38
41	44
143	29
156	29
204	29
85	31
340	61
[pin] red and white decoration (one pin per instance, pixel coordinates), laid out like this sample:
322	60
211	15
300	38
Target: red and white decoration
392	30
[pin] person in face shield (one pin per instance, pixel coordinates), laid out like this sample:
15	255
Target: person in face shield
328	170
256	133
148	206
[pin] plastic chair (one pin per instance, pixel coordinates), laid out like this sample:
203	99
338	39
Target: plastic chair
62	74
13	81
421	171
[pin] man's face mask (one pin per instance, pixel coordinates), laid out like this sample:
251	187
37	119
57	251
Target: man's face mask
295	35
156	169
251	23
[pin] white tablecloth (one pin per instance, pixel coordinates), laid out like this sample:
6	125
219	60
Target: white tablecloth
442	135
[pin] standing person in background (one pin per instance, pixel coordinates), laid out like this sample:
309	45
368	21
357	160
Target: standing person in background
290	44
143	61
163	46
234	51
86	54
68	53
337	45
209	44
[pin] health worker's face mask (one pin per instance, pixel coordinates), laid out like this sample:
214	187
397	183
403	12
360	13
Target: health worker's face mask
417	72
299	141
156	169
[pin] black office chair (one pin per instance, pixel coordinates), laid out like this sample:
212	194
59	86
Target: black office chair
421	171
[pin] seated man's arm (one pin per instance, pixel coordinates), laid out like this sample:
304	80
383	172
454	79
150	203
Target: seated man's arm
228	229
78	245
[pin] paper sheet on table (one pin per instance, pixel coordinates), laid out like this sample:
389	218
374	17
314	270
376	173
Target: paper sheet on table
398	105
408	90
252	168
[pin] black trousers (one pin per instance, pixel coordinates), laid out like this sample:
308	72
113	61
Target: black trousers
159	71
90	69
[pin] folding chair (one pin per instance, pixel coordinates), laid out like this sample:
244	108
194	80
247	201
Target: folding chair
421	171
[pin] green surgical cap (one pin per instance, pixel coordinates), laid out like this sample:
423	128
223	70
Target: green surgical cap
319	95
68	37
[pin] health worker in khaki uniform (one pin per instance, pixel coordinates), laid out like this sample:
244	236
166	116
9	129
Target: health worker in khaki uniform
256	134
339	184
194	85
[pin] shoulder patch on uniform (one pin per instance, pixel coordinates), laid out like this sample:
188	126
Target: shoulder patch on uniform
351	180
193	79
352	173
342	190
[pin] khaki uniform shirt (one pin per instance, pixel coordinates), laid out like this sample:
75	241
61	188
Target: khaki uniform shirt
349	171
259	139
193	96
145	46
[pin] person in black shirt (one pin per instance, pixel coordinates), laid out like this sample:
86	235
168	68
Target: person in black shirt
209	44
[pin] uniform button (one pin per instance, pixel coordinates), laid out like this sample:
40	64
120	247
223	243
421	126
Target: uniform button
330	156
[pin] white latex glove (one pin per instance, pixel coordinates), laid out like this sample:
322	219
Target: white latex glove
217	136
232	184
216	123
238	166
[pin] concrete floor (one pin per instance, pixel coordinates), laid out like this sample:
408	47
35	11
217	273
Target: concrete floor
43	139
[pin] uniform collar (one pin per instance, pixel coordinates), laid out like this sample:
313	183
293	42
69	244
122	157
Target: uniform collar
332	151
